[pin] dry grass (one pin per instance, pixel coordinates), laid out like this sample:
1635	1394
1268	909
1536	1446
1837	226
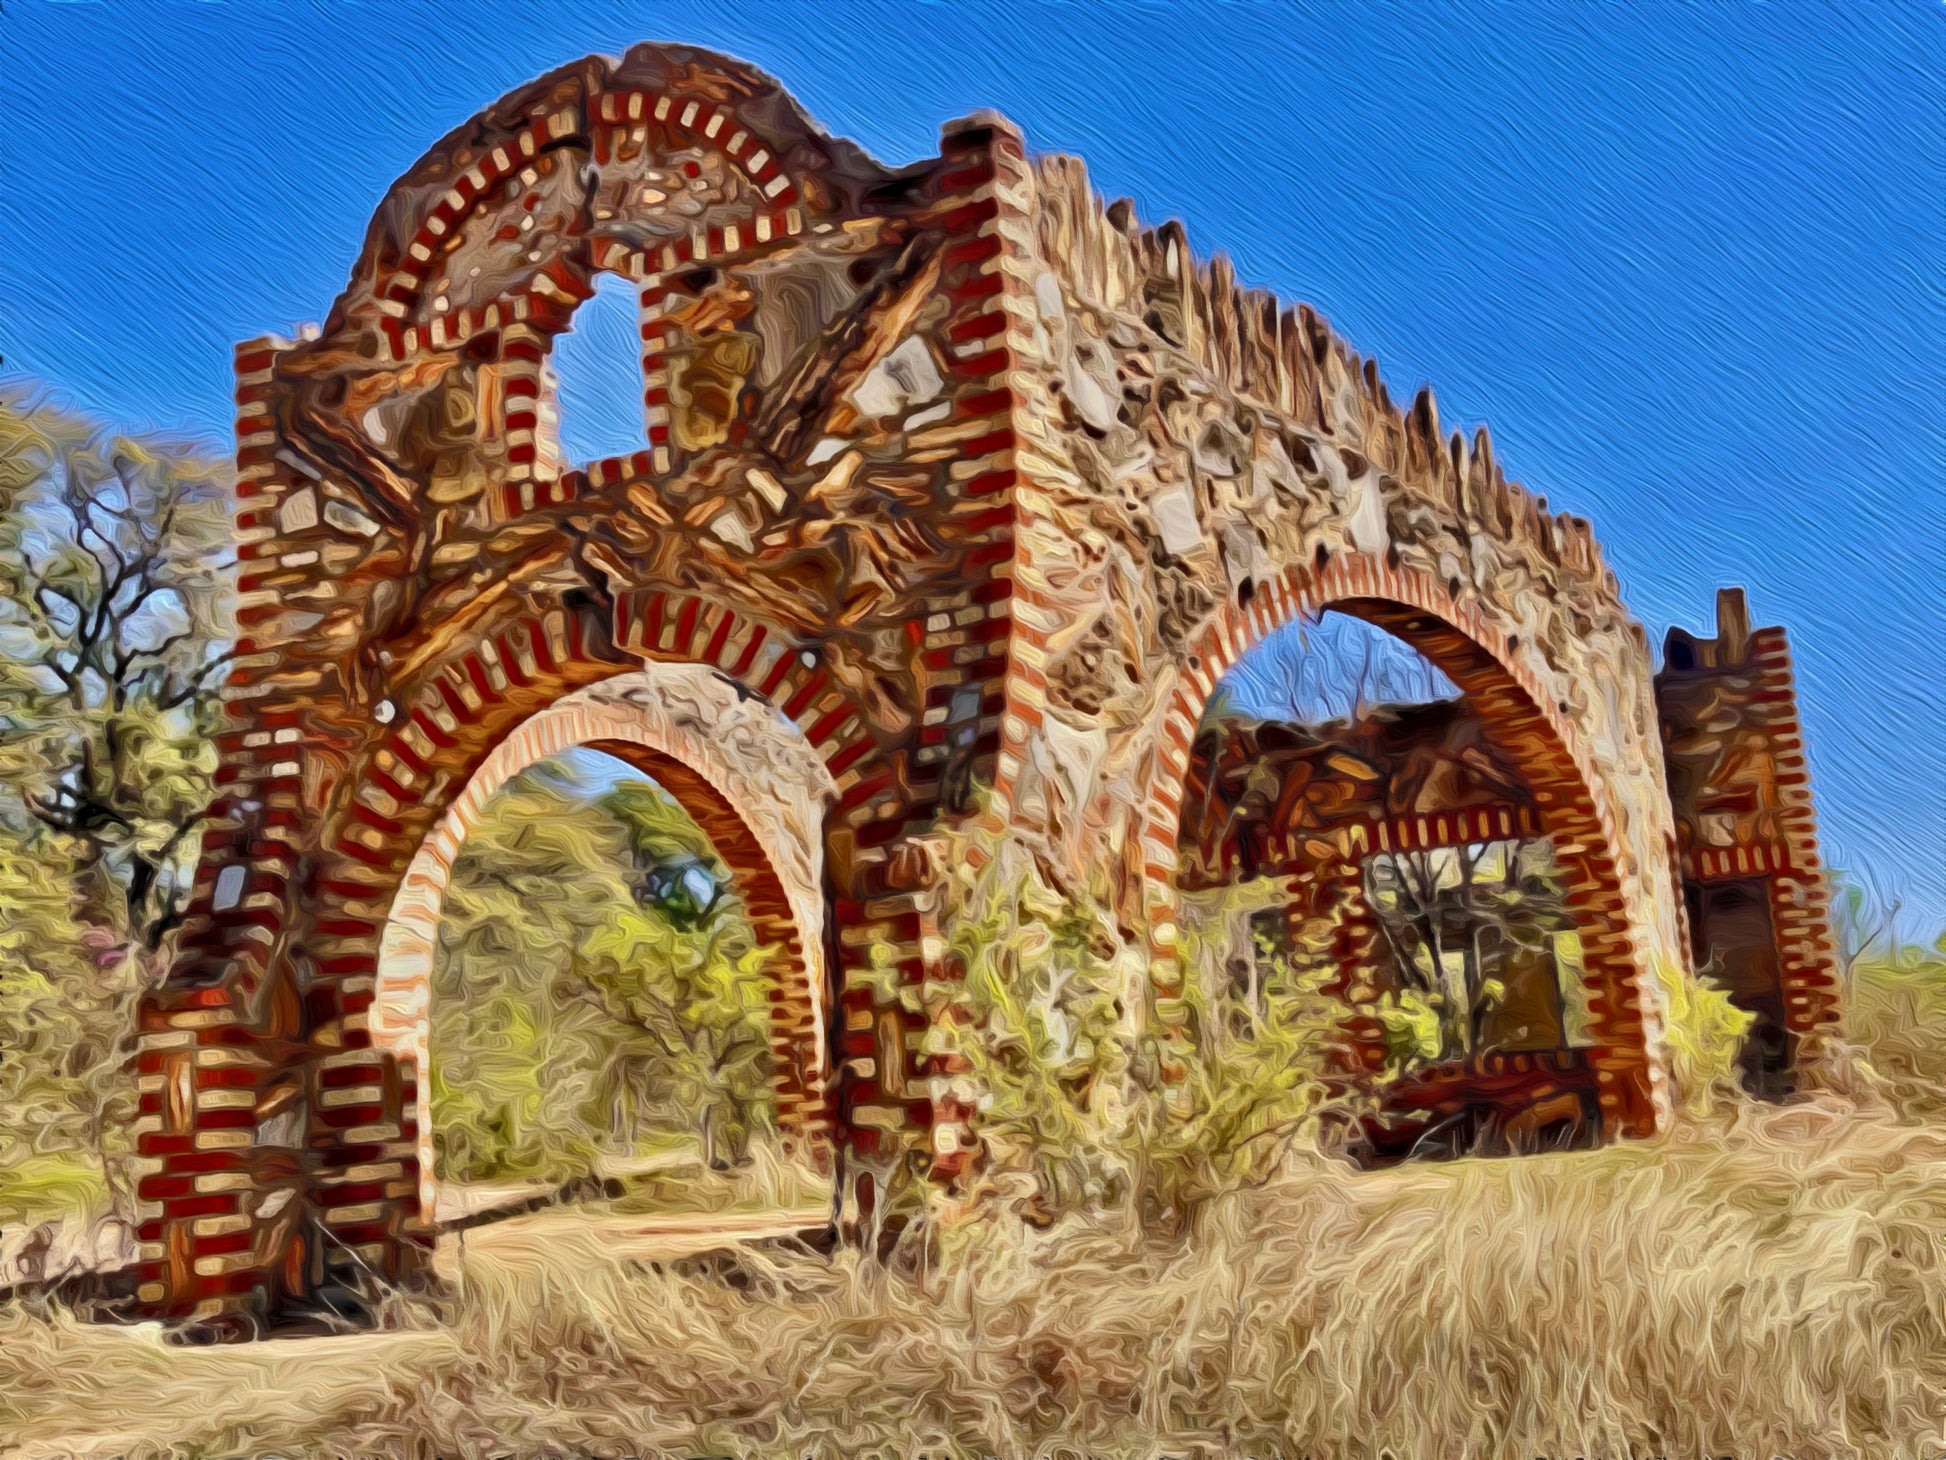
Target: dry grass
1895	1012
1764	1282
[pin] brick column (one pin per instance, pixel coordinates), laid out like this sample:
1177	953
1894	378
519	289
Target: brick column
1800	896
223	1170
529	420
1741	792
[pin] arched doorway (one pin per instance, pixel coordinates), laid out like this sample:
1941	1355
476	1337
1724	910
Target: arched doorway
1544	790
752	784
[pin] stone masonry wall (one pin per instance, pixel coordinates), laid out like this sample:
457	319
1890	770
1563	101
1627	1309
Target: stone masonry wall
1199	465
953	469
1742	797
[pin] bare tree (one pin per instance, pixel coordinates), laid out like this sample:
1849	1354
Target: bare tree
1456	921
1331	667
1863	918
1460	923
114	595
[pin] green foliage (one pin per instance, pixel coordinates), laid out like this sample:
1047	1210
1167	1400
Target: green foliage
1703	1032
1894	1010
1084	1101
113	603
574	1016
1415	1032
1462	924
64	1183
1264	1032
1045	1019
64	1015
66	1021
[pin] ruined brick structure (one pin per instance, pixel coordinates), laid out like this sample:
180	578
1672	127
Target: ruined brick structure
1754	888
957	476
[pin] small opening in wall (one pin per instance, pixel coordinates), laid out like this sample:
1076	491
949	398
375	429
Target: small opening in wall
598	375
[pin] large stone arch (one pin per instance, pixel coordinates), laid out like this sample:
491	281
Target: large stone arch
1225	464
421	573
754	785
341	1127
1506	692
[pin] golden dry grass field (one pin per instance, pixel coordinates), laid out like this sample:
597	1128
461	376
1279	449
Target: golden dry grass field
1761	1282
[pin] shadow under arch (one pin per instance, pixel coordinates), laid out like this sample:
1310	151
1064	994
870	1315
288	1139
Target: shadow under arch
1493	669
749	778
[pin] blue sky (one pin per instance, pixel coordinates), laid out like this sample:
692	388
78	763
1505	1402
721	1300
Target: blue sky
1687	262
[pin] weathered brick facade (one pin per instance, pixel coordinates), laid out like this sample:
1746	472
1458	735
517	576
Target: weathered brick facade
963	474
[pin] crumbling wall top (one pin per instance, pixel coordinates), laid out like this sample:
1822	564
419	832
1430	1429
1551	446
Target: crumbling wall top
1291	360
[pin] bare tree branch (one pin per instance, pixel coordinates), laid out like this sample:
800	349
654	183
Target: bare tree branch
106	563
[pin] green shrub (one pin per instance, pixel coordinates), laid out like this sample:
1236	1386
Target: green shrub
1084	1099
1703	1032
1893	1013
576	1014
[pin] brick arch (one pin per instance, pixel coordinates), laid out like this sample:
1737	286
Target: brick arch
607	116
1488	664
601	122
611	111
517	328
269	1012
550	294
450	721
652	720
